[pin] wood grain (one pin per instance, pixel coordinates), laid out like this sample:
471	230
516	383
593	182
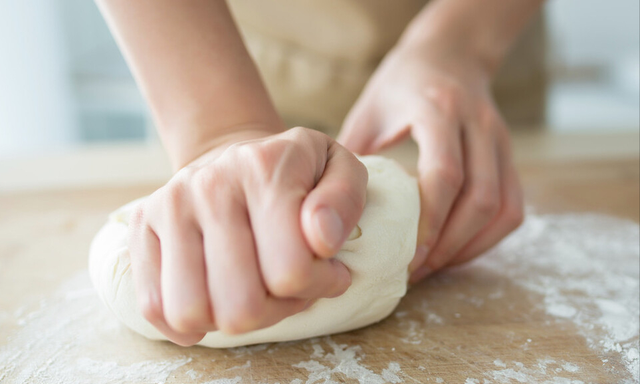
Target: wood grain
435	332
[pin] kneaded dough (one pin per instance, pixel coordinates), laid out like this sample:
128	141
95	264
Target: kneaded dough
377	256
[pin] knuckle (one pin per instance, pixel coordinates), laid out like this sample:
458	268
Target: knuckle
447	98
306	140
215	191
248	151
299	132
485	200
246	316
488	117
451	175
150	308
179	323
434	220
259	159
171	198
354	194
514	216
290	282
137	218
438	262
277	161
306	135
206	182
184	323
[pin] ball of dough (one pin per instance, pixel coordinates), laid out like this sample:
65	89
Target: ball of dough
377	253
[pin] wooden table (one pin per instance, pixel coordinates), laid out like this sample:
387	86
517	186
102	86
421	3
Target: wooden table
470	325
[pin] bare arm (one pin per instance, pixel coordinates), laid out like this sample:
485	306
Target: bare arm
242	235
193	68
435	86
483	30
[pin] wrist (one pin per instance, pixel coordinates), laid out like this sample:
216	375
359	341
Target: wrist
447	53
193	144
452	45
478	31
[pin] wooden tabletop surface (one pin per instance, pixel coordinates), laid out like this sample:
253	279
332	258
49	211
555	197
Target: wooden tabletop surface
499	319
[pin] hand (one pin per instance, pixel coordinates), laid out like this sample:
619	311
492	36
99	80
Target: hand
243	237
470	194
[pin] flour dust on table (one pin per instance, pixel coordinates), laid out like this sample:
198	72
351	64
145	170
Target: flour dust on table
581	270
572	274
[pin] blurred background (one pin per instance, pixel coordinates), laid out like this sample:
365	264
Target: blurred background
65	87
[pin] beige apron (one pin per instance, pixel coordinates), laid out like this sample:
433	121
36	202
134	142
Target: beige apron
315	56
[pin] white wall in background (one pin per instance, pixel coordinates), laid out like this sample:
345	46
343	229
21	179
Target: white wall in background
36	107
593	32
109	105
603	38
59	68
92	50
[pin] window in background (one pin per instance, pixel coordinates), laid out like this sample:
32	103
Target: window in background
63	81
109	106
594	64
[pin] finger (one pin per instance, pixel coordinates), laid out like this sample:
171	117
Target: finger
288	265
144	247
184	287
360	130
363	133
239	296
478	203
440	171
332	209
508	219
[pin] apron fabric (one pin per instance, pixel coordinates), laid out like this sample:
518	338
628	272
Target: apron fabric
315	56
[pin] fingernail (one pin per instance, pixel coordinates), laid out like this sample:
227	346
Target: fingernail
419	274
330	227
419	258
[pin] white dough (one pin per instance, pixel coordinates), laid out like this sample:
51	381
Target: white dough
377	259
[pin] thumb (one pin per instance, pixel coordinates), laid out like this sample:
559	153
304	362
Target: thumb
332	209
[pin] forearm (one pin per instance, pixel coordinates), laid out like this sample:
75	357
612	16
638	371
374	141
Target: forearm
192	67
481	30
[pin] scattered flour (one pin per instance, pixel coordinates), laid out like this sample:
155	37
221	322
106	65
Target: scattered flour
69	321
193	374
246	365
317	351
414	331
249	350
584	261
499	363
537	373
584	267
561	310
570	367
235	380
390	374
346	361
434	319
153	371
